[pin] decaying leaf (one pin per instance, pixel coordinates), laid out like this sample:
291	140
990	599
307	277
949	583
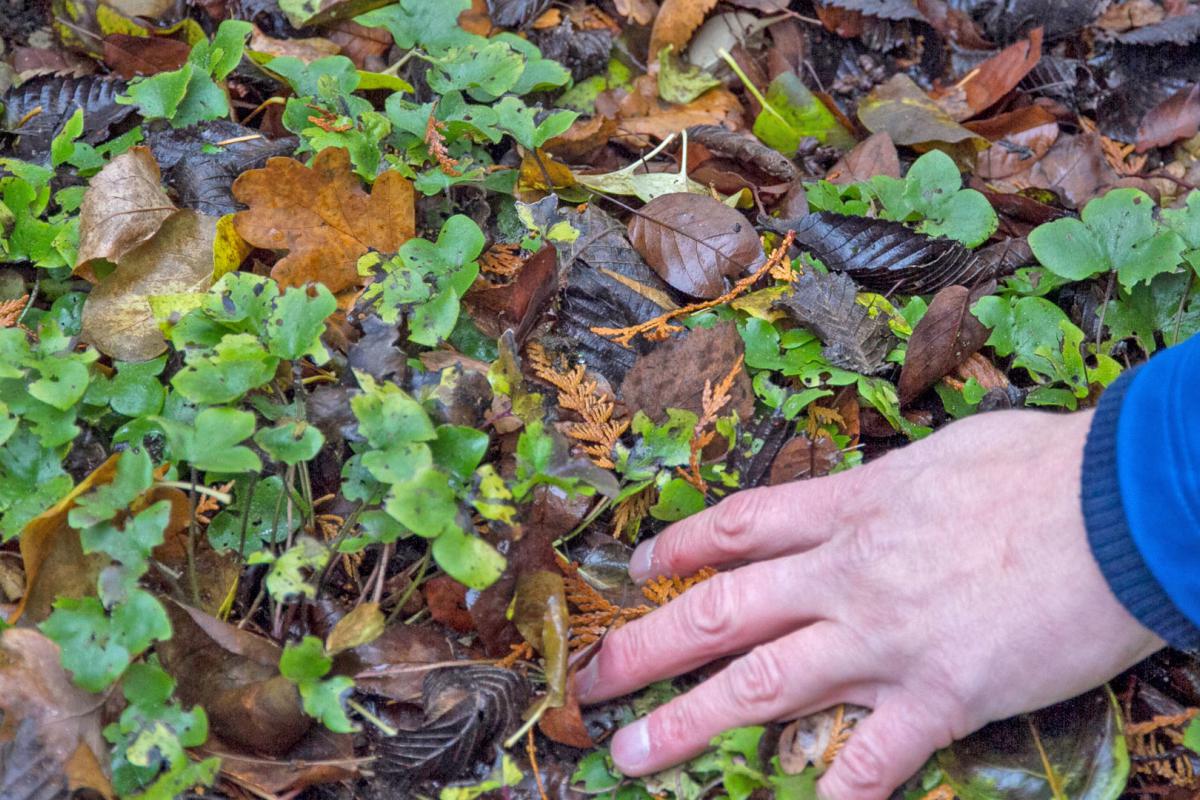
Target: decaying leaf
817	739
674	373
51	729
827	304
178	259
540	614
744	149
985	85
123	207
945	337
886	256
801	458
675	23
37	109
695	242
322	216
466	710
875	155
900	109
518	304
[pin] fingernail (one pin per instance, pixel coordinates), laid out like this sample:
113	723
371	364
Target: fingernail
641	564
631	746
585	681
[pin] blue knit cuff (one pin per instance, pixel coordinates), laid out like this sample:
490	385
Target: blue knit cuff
1108	530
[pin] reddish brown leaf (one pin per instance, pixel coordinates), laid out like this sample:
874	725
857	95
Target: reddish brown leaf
565	724
1019	140
673	374
322	216
804	458
876	155
1177	117
945	337
361	44
986	84
447	601
516	305
675	23
140	55
1074	167
694	242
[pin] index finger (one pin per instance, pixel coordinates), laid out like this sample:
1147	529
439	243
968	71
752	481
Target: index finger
750	525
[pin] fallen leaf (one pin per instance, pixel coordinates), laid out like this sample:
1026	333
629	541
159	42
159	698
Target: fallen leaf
1019	140
886	256
123	207
540	614
361	626
643	121
801	458
140	55
565	725
827	304
235	676
55	565
322	216
467	709
1075	168
447	602
875	155
816	740
694	242
673	374
178	259
38	108
1177	117
1121	17
639	12
51	728
900	109
745	149
517	305
945	337
306	50
675	23
988	83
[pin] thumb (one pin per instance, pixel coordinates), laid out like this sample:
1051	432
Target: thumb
885	750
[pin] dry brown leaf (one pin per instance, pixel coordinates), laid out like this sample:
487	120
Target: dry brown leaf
322	216
641	120
1121	17
817	739
123	206
178	259
945	337
803	458
694	242
873	156
1019	139
55	565
677	20
140	55
985	85
639	12
39	702
307	50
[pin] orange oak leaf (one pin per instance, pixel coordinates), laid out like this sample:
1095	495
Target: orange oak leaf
322	216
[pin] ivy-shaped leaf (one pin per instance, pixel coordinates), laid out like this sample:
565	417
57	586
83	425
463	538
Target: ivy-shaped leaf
209	443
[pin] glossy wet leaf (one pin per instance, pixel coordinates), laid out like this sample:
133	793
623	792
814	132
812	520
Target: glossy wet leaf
792	112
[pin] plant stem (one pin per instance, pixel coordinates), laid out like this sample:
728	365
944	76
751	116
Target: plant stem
750	87
387	730
246	516
412	587
216	494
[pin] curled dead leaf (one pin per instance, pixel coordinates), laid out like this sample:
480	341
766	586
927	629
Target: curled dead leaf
945	337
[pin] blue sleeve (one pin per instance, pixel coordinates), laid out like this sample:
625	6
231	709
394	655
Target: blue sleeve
1141	492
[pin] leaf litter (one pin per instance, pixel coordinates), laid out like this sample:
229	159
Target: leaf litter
377	360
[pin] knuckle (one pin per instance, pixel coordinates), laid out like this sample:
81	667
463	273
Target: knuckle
862	766
712	613
674	722
627	646
757	679
735	517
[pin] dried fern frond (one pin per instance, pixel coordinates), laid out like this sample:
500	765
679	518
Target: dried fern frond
629	513
11	310
1156	749
664	589
597	434
435	142
502	260
712	401
661	327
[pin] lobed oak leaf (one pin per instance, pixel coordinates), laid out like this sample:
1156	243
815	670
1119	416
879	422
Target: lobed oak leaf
322	216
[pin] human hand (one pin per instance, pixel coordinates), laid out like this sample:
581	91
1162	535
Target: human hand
946	585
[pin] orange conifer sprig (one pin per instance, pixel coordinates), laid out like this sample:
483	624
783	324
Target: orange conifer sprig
435	142
661	327
712	401
598	432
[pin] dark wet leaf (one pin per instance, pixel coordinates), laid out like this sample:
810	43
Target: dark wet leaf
827	304
673	374
235	676
1007	20
753	464
608	285
694	242
466	710
540	614
803	458
886	256
519	304
1183	29
515	13
376	353
1083	742
584	52
884	9
744	149
26	771
201	171
1177	117
58	98
945	337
